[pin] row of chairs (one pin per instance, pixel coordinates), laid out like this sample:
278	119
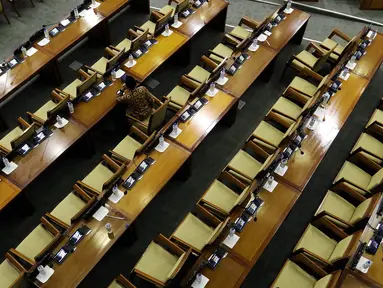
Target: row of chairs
328	241
13	3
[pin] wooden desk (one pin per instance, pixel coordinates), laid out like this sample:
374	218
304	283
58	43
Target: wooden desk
250	70
166	166
315	146
36	161
157	55
256	235
197	128
88	253
22	73
111	8
370	62
212	12
8	191
349	281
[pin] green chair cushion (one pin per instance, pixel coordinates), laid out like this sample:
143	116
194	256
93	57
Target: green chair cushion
370	144
323	282
68	208
337	205
179	95
149	25
246	164
240	32
293	276
98	176
71	89
340	249
221	196
42	112
377	116
329	44
127	147
375	180
303	86
287	107
7	139
307	58
199	74
8	274
126	43
100	65
354	175
360	211
269	133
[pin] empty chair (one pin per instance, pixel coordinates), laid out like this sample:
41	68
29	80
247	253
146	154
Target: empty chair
358	179
198	229
39	241
127	42
323	249
306	87
370	147
222	198
11	272
127	148
83	75
110	58
5	142
342	212
121	282
156	21
225	49
201	73
249	162
154	120
272	131
3	12
95	180
293	276
329	43
161	262
186	90
70	208
241	31
376	119
175	6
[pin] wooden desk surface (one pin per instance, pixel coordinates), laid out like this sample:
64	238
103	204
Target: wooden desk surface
8	191
350	281
315	146
197	128
14	78
285	31
157	55
370	62
250	70
203	15
36	161
73	33
256	235
108	8
156	177
88	253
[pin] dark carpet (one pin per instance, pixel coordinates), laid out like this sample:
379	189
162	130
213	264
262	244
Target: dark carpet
177	198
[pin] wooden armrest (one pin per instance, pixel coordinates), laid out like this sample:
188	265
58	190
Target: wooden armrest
339	34
208	62
278	119
294	57
125	282
81	193
192	78
110	162
247	178
251	23
231	39
354	196
312	74
62	93
82	73
293	94
342	181
49	226
185	80
301	258
365	163
93	70
119	158
207	215
14	262
16	254
316	48
139	28
258	150
325	214
22	123
312	256
148	278
230	178
165	242
139	133
88	188
136	120
157	101
57	221
4	151
283	114
33	118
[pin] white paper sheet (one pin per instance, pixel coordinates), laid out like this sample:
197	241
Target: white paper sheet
12	167
262	38
288	11
115	197
119	73
270	187
230	241
44	42
360	264
222	81
253	49
31	51
351	66
281	171
268	33
95	5
130	65
167	34
101	213
45	277
65	22
178	25
212	93
345	78
162	148
320	113
175	135
202	284
63	123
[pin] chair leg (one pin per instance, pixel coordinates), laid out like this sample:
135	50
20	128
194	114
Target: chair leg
6	18
33	4
284	70
14	8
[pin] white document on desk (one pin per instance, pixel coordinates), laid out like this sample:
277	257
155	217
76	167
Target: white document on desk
44	277
95	5
119	73
31	51
230	241
12	167
44	42
320	113
101	213
202	283
115	197
65	22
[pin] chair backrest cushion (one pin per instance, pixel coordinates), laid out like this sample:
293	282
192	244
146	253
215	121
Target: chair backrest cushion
323	282
340	249
360	211
293	276
158	117
375	180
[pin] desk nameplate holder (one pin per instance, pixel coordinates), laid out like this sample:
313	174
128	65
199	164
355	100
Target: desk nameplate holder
138	173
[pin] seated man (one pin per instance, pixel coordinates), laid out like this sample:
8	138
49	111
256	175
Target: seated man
138	100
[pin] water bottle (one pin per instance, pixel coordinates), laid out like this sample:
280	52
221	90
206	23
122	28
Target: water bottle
288	6
131	60
161	141
352	60
46	33
115	189
283	163
312	121
222	75
176	19
114	76
6	162
109	229
93	2
76	13
24	52
41	269
326	97
212	87
167	29
366	264
198	278
59	120
231	232
175	128
70	107
270	180
254	43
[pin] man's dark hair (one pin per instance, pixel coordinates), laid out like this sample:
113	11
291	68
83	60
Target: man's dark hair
130	82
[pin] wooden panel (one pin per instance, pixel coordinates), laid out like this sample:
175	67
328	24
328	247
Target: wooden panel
285	31
196	129
108	8
36	161
157	54
8	191
203	15
14	78
167	164
256	235
89	251
250	70
351	281
370	62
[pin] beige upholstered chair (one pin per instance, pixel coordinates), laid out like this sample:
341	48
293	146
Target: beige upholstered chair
201	73
110	58
329	43
293	276
3	12
154	120
11	272
249	162
342	212
5	142
128	42
198	229
156	21
224	194
121	282
13	3
185	91
83	74
376	118
313	58
370	147
175	6
70	208
273	131
39	241
291	105
126	150
58	100
94	182
359	178
161	262
306	87
241	31
323	249
228	46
